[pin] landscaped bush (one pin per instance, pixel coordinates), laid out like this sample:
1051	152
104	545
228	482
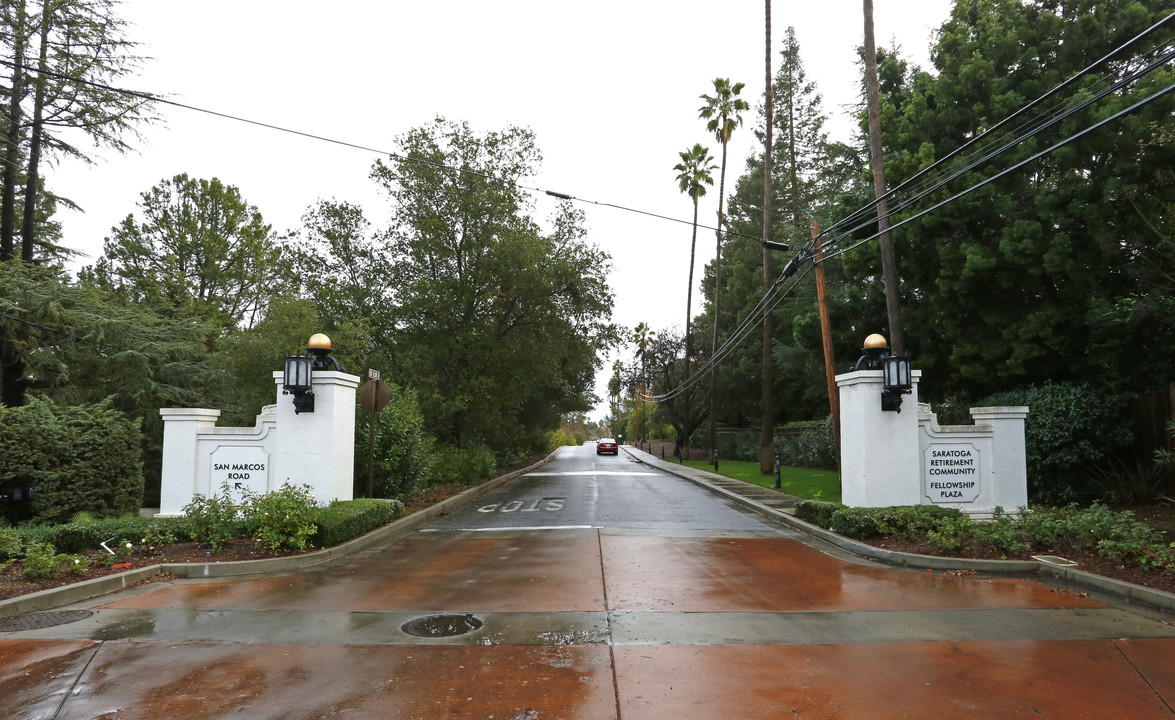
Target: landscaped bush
1070	427
214	519
402	448
813	446
282	519
79	537
465	466
1096	529
81	458
817	512
742	446
560	438
345	520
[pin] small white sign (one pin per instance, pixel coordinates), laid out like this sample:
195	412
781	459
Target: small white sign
373	374
242	468
952	473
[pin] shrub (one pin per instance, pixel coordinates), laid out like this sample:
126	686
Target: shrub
123	550
282	519
817	512
560	438
11	544
1001	533
809	444
742	446
213	519
345	520
951	534
41	562
1118	483
81	458
1069	427
78	537
402	448
914	521
465	466
855	522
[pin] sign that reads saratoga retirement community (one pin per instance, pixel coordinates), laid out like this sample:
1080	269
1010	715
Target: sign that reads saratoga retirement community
952	472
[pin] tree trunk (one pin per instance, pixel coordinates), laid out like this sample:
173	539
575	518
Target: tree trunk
12	143
689	299
897	335
28	226
717	305
767	368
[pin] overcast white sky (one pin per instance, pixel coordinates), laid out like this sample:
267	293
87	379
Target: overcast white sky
610	88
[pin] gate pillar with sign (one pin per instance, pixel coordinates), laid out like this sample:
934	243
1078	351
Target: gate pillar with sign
975	468
283	447
906	458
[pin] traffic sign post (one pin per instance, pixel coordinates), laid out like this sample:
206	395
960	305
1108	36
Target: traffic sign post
373	396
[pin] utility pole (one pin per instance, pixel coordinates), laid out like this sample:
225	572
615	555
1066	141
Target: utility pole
767	367
826	336
889	268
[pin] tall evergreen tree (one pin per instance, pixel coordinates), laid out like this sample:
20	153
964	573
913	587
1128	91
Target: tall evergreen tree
198	250
1049	272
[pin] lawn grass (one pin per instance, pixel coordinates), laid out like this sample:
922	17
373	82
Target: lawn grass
802	482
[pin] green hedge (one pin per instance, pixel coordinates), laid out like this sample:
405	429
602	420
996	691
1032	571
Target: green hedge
78	537
1112	534
811	444
1070	428
817	512
345	520
80	458
465	465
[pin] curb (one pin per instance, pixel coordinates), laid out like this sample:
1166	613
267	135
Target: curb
1130	592
375	540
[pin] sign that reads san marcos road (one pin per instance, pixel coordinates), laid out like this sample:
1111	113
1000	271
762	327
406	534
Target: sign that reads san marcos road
241	467
952	472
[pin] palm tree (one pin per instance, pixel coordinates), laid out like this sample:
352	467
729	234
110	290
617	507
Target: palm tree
693	177
722	110
642	336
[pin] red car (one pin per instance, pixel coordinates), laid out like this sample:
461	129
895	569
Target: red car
607	445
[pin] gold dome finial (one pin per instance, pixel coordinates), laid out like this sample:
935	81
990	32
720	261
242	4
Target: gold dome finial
876	340
318	341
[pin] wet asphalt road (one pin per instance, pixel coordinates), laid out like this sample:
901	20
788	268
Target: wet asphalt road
585	490
598	588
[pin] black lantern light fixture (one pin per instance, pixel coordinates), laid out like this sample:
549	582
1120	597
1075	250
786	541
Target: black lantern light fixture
299	371
895	382
298	382
896	377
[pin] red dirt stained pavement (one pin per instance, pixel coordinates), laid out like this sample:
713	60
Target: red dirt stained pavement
526	573
881	681
648	574
206	680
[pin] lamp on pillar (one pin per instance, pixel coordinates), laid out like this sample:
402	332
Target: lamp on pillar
895	382
300	369
297	382
895	371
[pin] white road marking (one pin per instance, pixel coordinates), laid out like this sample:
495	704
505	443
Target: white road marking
511	529
586	472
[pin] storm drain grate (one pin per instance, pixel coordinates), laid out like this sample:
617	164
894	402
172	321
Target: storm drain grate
40	621
438	626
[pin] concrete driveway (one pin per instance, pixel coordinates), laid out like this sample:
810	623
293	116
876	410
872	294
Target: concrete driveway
639	595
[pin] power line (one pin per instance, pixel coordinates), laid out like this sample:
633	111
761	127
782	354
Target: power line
806	253
151	97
